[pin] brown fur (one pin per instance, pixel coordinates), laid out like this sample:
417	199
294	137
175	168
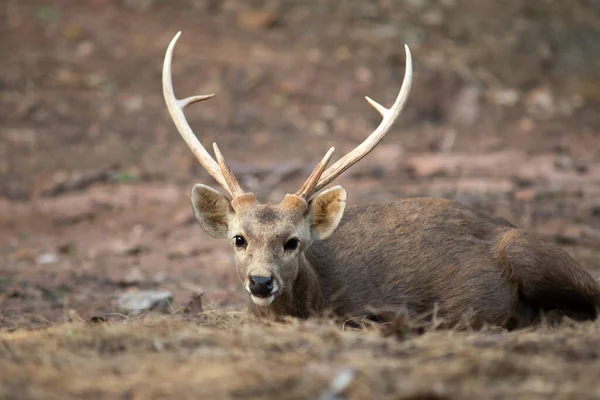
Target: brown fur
413	254
417	252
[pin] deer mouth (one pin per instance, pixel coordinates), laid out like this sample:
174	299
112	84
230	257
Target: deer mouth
263	301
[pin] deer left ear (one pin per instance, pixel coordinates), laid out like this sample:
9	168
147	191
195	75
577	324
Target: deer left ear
212	210
326	210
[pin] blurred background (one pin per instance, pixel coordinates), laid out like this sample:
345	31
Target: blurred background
94	178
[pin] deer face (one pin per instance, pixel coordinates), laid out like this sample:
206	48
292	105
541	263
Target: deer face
268	240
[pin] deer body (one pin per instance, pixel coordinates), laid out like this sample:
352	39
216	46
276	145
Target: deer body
309	253
417	252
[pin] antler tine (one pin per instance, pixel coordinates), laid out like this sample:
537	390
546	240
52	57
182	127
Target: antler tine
233	186
176	106
308	187
389	116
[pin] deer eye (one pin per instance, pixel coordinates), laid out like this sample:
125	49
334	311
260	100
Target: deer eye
291	244
240	242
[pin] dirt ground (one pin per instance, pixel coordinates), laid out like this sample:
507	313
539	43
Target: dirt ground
94	185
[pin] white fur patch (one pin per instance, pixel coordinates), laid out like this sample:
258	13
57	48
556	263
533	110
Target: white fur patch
262	301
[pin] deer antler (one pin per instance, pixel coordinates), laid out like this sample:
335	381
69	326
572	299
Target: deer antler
309	186
320	177
220	171
389	116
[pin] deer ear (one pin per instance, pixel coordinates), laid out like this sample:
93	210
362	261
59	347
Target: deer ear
212	210
326	210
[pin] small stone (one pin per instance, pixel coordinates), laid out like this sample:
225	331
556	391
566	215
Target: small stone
47	258
133	303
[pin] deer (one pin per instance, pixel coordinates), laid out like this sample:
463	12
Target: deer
313	253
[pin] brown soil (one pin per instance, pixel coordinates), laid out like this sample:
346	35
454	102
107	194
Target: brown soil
94	184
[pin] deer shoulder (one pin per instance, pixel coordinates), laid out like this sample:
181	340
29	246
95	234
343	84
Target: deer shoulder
311	253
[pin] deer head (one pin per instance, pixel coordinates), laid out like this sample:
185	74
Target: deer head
269	240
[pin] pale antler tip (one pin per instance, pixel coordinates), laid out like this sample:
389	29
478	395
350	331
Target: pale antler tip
308	187
328	156
408	56
382	110
175	39
194	99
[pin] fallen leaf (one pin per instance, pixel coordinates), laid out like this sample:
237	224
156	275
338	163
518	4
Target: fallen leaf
194	306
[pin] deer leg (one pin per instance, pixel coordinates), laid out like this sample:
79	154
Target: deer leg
546	276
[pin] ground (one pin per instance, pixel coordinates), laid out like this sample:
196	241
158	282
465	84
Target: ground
94	184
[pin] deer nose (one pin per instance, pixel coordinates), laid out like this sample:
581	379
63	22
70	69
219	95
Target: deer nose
261	286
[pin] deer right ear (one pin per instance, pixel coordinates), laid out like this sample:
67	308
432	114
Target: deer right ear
212	210
326	210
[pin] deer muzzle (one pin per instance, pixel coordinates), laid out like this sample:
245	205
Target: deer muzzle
262	289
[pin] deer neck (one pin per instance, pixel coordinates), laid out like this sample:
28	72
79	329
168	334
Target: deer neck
307	293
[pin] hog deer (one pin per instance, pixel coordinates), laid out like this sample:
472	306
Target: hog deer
311	253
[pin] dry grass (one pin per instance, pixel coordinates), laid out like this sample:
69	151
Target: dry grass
227	355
